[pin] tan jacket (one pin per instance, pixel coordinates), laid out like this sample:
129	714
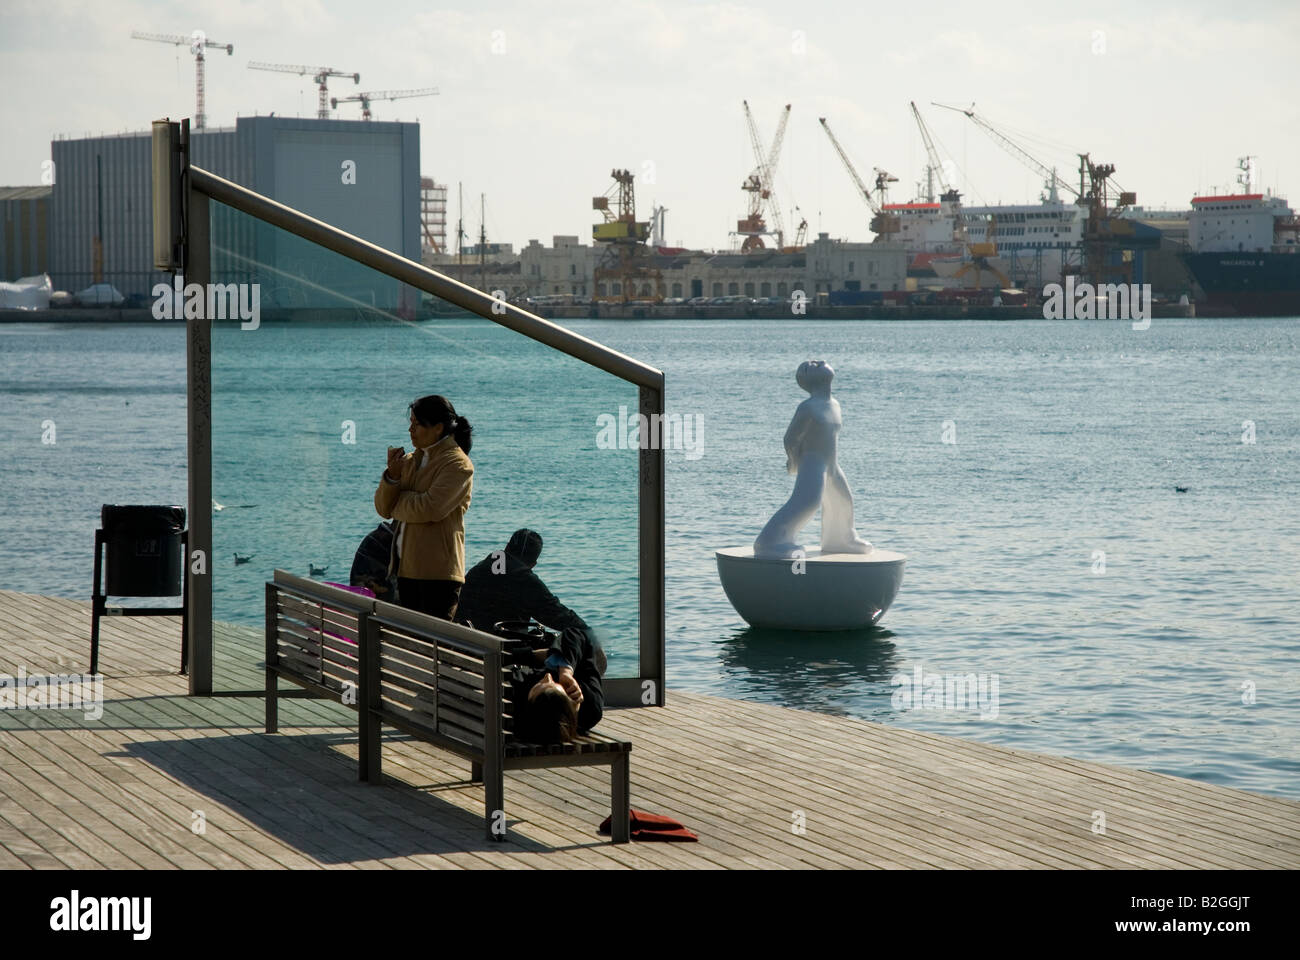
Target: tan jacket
430	503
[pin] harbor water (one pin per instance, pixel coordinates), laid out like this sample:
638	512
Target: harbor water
1030	471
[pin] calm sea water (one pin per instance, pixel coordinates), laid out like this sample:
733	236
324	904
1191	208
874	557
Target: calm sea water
1175	651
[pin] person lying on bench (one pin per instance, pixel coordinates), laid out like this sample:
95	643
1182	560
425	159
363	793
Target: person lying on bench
555	703
503	586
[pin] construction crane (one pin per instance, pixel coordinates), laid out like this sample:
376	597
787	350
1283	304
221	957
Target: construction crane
320	76
1054	182
760	187
882	224
366	98
196	41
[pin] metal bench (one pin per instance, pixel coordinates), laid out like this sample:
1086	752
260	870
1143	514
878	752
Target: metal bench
437	681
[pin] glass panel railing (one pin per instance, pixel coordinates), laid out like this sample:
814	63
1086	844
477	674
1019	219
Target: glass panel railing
307	396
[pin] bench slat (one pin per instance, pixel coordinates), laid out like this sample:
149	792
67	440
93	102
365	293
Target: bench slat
301	662
404	699
447	685
418	660
336	621
443	654
294	633
390	667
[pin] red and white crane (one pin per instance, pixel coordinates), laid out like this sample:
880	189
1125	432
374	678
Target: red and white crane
320	76
761	187
196	41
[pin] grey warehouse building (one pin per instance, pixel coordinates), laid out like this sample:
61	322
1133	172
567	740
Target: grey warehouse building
363	177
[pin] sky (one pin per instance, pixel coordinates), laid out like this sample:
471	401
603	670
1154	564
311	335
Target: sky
538	102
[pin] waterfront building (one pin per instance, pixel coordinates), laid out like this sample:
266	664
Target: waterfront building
361	176
24	231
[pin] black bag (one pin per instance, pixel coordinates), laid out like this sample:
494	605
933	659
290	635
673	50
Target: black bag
370	565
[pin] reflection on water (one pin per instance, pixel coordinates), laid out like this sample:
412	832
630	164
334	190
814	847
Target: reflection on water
833	672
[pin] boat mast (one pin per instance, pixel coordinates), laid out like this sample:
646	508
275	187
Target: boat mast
482	238
460	230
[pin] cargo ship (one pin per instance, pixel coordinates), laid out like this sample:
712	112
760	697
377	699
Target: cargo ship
1244	252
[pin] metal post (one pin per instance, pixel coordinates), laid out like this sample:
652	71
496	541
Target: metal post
369	702
272	649
198	358
650	509
493	747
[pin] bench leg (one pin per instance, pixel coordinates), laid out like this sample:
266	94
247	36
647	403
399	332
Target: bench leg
272	703
620	827
494	800
476	773
371	759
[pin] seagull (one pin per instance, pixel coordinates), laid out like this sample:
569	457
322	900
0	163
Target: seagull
218	506
1179	489
239	559
317	571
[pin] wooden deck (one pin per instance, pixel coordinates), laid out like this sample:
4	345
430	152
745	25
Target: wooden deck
126	790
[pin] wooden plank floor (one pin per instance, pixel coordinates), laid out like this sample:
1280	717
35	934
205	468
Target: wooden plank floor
133	787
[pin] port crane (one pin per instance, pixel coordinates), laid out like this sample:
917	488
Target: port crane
1105	230
760	186
196	41
1049	174
947	192
882	223
365	99
625	260
320	76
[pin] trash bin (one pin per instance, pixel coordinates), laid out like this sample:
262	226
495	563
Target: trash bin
144	556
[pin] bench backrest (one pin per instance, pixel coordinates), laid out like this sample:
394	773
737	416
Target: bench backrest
313	631
440	680
448	681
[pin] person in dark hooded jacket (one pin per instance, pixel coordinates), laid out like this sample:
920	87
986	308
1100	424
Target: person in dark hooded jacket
503	586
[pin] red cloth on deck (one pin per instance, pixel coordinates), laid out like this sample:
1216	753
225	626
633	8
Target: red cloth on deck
652	826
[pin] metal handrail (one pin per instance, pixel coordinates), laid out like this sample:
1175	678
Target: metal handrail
423	278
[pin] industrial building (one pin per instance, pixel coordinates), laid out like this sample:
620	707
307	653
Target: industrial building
568	267
24	231
361	176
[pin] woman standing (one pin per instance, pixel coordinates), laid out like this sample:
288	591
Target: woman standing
427	491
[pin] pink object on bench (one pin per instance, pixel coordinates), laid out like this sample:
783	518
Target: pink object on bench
364	591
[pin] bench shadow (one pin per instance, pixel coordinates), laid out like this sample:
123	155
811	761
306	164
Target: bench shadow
298	789
182	712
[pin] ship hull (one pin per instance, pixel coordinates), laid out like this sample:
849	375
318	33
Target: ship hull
1249	284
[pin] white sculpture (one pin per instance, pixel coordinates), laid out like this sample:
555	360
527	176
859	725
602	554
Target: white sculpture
811	447
846	584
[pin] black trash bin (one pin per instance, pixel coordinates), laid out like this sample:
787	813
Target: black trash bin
144	550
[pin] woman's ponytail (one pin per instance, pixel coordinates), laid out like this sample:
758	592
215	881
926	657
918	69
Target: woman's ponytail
463	432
